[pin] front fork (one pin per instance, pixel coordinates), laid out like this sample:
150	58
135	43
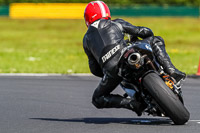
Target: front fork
169	81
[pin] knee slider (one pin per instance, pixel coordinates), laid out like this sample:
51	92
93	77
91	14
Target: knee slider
98	102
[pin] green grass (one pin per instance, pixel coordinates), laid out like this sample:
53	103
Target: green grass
55	46
182	38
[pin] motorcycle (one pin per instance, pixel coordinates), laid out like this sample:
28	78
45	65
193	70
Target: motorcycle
145	80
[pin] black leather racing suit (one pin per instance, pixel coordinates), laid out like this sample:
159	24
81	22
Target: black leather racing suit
105	39
103	43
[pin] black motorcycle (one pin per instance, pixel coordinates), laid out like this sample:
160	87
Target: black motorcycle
145	80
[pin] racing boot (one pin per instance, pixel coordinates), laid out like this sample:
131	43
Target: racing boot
134	105
117	101
163	58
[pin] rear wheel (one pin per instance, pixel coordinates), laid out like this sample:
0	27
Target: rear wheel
166	99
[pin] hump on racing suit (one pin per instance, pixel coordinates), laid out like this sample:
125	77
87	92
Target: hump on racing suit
104	41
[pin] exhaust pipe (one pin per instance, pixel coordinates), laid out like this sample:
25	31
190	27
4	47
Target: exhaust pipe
134	58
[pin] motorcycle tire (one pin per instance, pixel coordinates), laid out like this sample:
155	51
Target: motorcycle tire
165	98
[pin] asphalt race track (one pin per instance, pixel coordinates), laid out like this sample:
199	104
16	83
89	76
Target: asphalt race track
62	104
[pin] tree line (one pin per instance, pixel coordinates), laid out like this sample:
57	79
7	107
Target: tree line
114	2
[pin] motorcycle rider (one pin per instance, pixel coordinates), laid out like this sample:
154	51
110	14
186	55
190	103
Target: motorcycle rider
103	43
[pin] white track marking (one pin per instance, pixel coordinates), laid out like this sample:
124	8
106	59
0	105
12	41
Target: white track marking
195	120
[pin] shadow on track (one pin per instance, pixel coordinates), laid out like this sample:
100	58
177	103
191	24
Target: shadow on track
136	121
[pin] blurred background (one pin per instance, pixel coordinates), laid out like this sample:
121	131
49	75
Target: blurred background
45	36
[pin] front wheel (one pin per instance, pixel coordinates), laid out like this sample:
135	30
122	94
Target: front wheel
166	99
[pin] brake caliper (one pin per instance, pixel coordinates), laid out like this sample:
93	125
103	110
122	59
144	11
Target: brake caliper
168	82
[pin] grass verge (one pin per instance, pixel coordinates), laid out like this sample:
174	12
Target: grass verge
55	46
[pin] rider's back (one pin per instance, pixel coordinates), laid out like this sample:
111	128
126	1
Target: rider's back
104	41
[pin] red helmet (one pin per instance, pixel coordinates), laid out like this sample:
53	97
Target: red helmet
96	10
